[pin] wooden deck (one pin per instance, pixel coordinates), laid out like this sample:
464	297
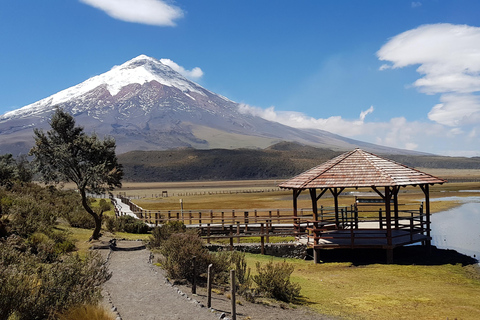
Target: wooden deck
365	238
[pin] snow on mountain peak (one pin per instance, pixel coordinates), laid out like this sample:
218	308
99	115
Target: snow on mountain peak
139	70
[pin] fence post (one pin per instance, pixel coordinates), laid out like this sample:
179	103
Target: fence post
200	218
231	237
208	232
232	290
194	282
238	232
209	286
262	239
268	231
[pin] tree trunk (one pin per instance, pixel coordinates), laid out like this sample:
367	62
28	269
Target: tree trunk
96	217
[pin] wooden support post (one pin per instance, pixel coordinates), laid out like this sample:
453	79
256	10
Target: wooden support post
209	286
211	216
268	231
380	218
238	232
389	255
156	218
232	291
200	218
190	217
262	239
245	220
208	232
231	237
223	221
194	282
316	255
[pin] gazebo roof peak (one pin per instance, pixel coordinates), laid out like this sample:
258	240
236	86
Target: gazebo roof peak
359	168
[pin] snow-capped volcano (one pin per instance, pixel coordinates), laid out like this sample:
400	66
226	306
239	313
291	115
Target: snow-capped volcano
139	70
146	105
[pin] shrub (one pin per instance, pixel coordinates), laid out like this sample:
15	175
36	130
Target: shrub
178	251
104	205
31	289
125	224
273	280
163	232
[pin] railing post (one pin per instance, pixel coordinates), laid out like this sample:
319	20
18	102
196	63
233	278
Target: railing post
194	282
200	218
238	232
209	286
208	232
262	240
232	291
380	218
231	237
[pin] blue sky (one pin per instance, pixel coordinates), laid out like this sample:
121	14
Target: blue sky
404	74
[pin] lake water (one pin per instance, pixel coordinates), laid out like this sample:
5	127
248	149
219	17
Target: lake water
458	228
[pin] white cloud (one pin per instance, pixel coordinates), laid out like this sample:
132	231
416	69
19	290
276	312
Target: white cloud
335	124
194	74
449	63
152	12
416	4
397	132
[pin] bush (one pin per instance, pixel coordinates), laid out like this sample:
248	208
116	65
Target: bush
178	252
162	233
104	205
125	224
31	289
273	280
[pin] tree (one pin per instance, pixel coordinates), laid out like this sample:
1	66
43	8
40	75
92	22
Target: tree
14	170
67	153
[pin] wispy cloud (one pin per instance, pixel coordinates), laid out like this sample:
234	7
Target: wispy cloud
397	132
194	74
448	59
416	4
151	12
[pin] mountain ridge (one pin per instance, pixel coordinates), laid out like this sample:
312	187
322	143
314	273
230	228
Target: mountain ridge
146	105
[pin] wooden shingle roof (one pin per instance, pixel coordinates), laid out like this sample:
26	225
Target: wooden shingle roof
359	168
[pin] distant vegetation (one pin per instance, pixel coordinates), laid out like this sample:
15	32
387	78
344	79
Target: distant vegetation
282	160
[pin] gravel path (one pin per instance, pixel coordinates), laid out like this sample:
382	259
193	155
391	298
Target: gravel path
139	290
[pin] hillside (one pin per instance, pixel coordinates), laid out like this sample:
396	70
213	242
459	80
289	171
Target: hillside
282	160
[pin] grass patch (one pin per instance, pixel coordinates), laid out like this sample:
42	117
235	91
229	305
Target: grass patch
273	239
379	291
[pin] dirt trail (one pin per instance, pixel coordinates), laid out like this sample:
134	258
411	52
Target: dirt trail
139	290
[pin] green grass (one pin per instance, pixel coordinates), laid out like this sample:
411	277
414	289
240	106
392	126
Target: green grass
273	239
380	291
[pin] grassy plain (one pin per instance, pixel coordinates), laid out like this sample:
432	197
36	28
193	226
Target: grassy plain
372	291
216	195
379	291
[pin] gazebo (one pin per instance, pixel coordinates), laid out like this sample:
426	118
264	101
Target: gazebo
341	229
